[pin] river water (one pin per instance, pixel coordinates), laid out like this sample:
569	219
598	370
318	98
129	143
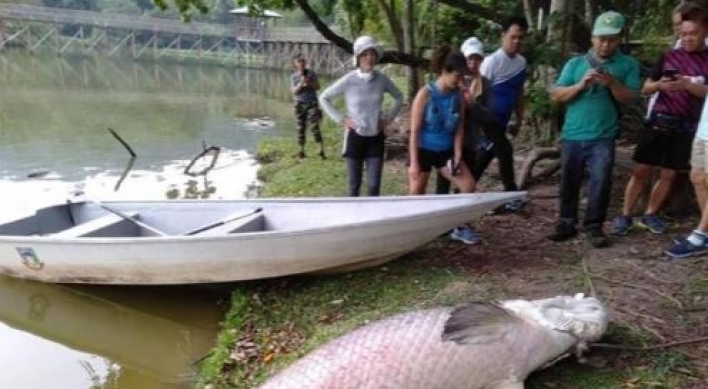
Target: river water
55	145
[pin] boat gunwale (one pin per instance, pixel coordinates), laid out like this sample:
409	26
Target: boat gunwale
255	235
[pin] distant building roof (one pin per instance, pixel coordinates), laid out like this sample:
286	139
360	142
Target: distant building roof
266	13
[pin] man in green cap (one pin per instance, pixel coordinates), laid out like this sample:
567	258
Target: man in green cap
591	86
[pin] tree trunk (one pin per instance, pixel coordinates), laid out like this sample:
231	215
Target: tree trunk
530	13
410	47
394	23
557	22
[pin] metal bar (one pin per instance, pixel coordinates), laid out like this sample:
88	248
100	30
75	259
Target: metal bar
146	46
119	45
96	41
73	38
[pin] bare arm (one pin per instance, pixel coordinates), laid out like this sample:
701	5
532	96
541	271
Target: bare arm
564	94
391	89
621	93
417	111
329	93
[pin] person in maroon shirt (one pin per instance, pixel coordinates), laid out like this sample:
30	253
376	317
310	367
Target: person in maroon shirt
680	78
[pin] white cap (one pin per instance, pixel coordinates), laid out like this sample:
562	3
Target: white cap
363	43
472	46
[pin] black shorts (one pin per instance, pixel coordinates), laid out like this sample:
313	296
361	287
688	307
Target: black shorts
427	159
362	147
664	147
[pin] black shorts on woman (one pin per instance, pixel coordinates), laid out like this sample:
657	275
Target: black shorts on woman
429	159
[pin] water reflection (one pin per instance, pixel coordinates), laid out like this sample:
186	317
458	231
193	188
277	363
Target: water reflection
67	337
55	112
54	115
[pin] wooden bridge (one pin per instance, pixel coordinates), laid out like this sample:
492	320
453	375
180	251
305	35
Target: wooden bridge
71	32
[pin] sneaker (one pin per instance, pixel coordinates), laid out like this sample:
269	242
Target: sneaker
564	231
322	155
465	235
683	248
597	238
301	155
652	223
622	225
514	206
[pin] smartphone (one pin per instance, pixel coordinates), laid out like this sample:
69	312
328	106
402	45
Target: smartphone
600	70
670	73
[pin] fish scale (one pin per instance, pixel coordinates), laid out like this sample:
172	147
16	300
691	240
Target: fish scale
407	351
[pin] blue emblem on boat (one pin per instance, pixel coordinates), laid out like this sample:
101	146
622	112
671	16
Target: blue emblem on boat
29	258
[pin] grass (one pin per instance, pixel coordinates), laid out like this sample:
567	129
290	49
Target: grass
272	323
285	175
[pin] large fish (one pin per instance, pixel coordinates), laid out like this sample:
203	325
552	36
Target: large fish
474	346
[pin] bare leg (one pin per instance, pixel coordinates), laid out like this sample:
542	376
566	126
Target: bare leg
700	185
417	183
635	186
661	190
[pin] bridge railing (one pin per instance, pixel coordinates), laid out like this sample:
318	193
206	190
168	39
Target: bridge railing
145	23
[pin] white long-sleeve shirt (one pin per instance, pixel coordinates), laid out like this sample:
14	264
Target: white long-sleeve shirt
363	99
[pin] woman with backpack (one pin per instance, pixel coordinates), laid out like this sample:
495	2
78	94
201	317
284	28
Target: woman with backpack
437	131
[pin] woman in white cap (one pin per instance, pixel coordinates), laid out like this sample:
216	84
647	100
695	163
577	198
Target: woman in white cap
363	89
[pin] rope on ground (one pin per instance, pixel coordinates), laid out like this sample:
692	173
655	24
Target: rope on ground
649	348
648	289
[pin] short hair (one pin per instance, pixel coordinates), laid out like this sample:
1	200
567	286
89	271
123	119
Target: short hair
694	13
515	20
684	6
299	57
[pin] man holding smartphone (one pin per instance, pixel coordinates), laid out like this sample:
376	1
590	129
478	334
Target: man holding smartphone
679	79
590	127
304	85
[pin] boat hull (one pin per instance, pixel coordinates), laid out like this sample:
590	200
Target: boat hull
337	247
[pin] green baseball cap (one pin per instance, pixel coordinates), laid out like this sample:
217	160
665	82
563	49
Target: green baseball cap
608	23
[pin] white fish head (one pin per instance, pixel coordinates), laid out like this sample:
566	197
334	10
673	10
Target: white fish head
585	318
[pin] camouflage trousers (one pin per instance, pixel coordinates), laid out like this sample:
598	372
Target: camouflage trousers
307	113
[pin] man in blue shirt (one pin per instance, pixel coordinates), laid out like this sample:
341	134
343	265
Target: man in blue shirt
591	86
506	69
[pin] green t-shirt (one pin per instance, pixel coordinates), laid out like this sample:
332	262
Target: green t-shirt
592	114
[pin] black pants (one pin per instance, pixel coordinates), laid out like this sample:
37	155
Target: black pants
355	169
308	112
502	150
480	121
359	151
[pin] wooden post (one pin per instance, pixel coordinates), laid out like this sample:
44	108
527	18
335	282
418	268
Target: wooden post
3	34
133	49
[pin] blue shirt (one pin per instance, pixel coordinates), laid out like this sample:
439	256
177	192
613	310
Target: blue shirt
440	117
507	74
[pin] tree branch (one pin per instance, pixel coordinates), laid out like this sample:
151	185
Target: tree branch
478	10
323	28
390	56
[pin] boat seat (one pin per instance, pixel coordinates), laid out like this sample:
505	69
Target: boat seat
107	225
250	223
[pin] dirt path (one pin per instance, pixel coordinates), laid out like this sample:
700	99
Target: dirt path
656	300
